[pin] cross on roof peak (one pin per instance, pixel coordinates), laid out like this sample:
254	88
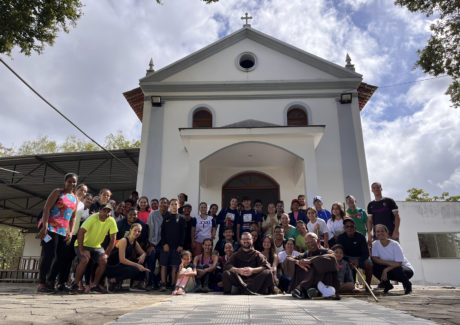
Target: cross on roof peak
246	17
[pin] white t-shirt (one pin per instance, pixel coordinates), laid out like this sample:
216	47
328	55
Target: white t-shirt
203	227
335	227
322	227
80	215
282	256
392	252
280	248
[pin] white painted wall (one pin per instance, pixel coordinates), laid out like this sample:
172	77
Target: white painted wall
180	171
417	217
31	245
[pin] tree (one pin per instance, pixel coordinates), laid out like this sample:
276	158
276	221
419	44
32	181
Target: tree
419	195
118	141
44	145
32	24
11	245
36	147
5	152
442	53
74	144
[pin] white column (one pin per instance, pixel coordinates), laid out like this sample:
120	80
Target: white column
311	175
193	180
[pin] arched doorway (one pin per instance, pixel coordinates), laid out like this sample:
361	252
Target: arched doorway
252	184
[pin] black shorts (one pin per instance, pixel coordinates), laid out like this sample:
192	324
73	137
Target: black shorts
94	252
171	258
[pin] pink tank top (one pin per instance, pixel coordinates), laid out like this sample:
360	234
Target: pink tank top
61	213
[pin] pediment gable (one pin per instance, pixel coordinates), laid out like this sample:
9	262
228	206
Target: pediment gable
202	66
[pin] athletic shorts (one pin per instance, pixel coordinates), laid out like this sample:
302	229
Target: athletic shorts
361	263
94	252
171	258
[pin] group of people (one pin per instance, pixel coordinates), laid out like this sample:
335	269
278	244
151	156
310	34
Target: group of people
307	252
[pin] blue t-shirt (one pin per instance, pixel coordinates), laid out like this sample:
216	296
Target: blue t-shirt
233	216
246	218
324	214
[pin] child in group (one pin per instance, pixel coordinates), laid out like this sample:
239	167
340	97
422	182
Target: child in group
345	275
186	277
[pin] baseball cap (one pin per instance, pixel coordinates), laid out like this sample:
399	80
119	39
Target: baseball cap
295	201
348	219
317	198
107	206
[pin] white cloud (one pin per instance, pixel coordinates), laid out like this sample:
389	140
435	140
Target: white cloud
420	150
86	71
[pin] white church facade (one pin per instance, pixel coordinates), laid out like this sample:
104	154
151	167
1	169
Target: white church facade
250	115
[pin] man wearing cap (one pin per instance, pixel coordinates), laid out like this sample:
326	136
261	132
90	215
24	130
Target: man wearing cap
322	213
312	271
88	245
296	214
355	248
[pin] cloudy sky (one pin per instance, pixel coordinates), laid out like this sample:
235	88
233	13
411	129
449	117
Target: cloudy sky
410	131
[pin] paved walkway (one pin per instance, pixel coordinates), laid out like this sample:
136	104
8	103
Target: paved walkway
279	309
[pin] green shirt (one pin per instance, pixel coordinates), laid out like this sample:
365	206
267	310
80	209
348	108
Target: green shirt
300	243
96	230
360	218
292	233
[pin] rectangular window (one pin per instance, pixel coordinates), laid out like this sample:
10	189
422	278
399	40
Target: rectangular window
439	245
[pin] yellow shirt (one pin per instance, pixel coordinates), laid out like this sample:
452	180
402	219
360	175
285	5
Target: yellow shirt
96	230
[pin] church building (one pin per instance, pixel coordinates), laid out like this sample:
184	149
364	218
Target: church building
250	115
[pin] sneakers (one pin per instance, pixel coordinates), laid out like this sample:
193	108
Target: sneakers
44	289
408	288
312	292
298	293
326	291
199	289
96	289
205	289
163	287
387	286
137	288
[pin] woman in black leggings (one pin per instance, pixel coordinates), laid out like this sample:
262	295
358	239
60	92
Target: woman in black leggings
126	261
389	261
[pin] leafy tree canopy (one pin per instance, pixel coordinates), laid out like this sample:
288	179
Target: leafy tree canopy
442	53
32	24
44	145
11	245
417	194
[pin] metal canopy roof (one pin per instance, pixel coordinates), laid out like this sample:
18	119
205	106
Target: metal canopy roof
23	192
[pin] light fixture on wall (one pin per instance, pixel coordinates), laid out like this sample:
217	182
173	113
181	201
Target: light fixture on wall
156	101
345	98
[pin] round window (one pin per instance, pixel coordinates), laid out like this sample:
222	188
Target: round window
246	61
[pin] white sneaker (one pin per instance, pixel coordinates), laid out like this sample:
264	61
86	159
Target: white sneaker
326	291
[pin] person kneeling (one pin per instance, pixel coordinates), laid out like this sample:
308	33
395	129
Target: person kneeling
88	246
120	266
389	261
186	277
